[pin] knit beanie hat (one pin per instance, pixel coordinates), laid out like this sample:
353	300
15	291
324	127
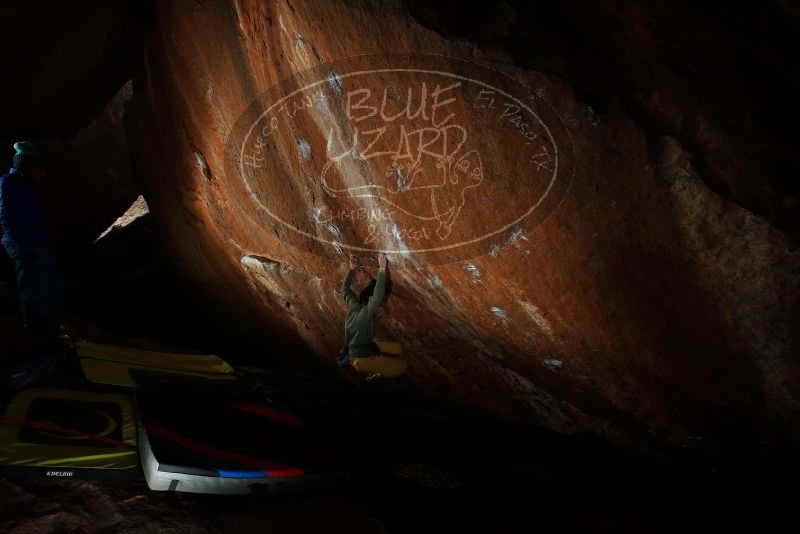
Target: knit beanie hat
28	156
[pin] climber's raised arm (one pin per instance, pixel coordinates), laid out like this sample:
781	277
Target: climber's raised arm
347	293
380	286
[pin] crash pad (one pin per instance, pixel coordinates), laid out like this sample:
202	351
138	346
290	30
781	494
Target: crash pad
116	373
58	433
198	363
230	446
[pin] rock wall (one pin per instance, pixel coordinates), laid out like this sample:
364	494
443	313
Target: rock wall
559	255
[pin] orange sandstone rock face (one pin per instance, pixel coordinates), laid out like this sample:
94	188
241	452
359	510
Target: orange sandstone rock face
549	267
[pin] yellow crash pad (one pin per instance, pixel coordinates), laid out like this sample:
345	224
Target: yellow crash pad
51	428
114	373
197	363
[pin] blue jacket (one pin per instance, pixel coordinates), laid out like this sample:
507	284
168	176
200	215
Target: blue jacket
22	214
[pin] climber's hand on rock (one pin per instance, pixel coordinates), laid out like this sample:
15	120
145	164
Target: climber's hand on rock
382	261
353	262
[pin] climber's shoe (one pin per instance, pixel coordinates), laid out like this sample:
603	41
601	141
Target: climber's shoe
21	375
343	358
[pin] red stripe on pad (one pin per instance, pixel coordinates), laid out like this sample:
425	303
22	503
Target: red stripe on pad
266	411
61	430
271	469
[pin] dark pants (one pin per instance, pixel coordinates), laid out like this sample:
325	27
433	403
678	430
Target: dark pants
40	293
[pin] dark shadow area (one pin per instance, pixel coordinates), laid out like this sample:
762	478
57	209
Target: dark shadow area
672	66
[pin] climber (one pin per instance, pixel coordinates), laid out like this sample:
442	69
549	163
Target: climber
367	356
25	239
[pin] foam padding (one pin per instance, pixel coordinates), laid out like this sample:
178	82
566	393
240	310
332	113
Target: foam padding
197	363
57	432
115	373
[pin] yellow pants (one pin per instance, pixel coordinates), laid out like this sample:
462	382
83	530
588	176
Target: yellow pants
382	364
